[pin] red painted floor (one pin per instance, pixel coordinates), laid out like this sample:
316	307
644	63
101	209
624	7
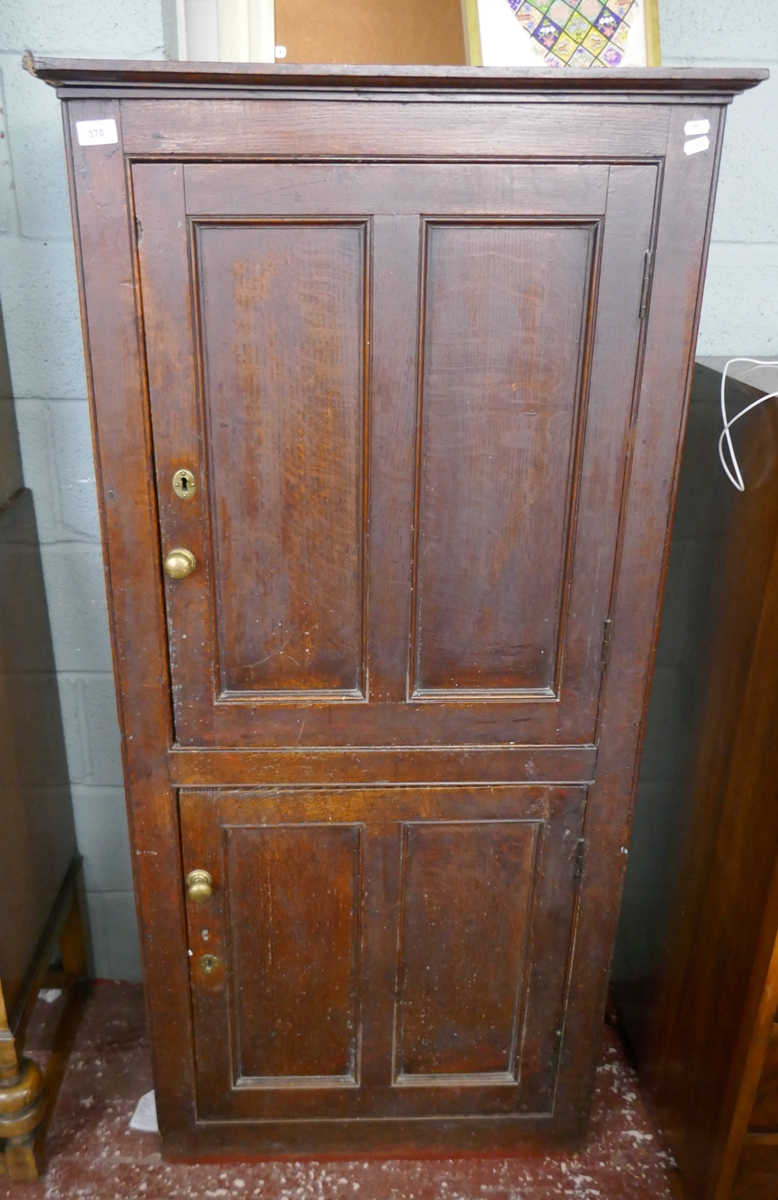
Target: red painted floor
94	1155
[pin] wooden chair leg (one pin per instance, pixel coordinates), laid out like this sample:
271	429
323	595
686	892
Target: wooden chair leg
26	1097
25	1159
22	1110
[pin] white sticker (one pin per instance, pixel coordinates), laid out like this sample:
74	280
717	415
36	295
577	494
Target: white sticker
280	51
696	145
144	1119
97	133
692	128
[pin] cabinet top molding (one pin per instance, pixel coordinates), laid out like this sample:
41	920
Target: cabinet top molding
108	77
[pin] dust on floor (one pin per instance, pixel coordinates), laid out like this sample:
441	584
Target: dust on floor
94	1155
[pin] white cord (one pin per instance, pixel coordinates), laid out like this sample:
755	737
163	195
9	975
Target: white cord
737	479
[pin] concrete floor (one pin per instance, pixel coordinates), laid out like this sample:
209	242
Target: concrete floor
94	1155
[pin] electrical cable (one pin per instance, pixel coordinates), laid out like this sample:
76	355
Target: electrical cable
737	479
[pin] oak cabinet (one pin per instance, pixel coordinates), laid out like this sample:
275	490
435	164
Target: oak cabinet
388	375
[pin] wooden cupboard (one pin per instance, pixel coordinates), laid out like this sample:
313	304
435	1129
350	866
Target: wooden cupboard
388	372
701	1012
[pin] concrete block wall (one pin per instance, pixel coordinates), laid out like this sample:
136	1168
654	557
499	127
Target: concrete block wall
40	306
739	313
38	291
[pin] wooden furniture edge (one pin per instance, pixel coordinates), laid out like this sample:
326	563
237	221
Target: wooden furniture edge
33	981
753	1040
755	1138
760	998
65	73
760	1002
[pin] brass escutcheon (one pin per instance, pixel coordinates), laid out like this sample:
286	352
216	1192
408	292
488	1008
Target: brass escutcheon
184	484
209	963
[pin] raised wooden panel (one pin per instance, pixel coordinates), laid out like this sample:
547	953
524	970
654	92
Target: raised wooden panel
283	330
466	916
294	940
497	450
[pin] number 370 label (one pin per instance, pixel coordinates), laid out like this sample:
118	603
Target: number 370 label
97	133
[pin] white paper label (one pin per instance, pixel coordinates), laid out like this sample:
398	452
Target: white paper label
692	128
696	145
97	133
144	1119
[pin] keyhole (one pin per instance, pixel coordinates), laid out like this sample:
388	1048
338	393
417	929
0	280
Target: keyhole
184	484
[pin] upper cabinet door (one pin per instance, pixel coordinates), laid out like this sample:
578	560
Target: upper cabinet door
391	410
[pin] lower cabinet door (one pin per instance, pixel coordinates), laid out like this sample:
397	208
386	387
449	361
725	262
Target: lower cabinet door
369	952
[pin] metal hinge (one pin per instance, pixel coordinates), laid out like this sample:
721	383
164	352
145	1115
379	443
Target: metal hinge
606	643
648	271
580	850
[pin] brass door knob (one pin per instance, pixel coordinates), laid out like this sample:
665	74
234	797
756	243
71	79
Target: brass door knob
179	563
199	885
